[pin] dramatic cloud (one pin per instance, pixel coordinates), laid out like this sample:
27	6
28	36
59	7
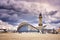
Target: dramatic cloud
16	11
5	25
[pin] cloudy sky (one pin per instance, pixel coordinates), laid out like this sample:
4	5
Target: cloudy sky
15	11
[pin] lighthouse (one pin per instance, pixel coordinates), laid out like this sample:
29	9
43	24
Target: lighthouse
40	22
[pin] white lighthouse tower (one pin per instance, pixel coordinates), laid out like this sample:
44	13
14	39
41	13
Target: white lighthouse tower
40	23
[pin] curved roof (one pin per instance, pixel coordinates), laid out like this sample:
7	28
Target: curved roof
25	23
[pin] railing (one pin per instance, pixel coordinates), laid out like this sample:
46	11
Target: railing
4	30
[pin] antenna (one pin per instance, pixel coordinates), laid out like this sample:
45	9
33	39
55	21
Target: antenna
46	14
